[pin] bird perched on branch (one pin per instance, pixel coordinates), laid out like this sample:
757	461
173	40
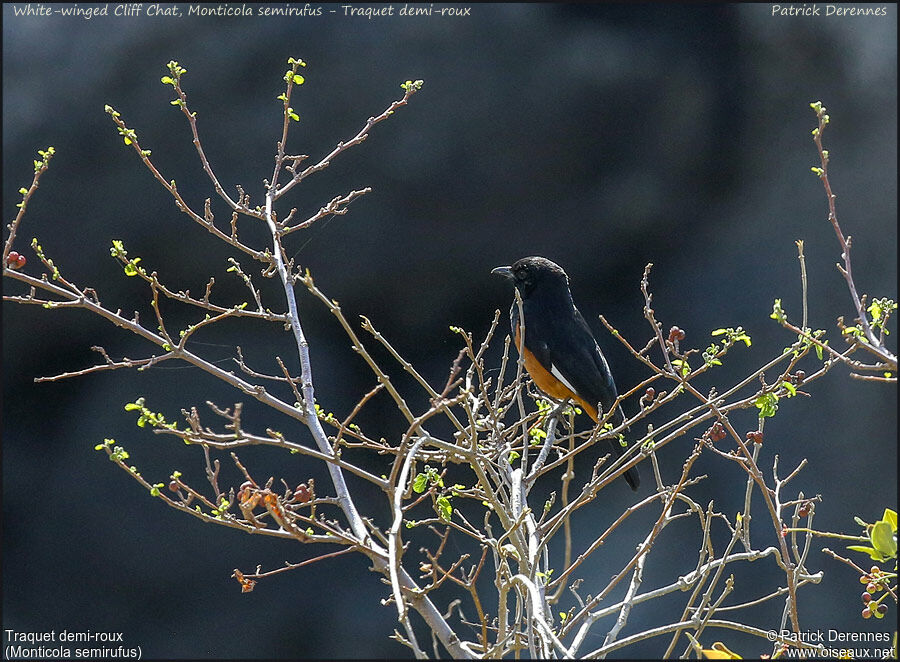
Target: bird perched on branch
560	352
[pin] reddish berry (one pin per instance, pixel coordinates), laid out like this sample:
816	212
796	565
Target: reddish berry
875	570
755	436
803	511
301	494
866	613
800	376
717	432
866	597
882	609
173	486
675	334
872	587
15	260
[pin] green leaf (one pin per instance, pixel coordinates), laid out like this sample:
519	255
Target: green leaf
767	405
682	366
778	313
875	310
298	79
734	335
874	554
536	435
443	507
131	268
420	482
884	540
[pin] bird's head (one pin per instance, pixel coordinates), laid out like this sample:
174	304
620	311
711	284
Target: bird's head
528	272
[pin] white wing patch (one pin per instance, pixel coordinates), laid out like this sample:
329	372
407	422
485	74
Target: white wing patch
556	373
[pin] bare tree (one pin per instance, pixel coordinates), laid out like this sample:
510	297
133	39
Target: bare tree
506	439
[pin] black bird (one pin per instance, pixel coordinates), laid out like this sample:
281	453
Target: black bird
560	352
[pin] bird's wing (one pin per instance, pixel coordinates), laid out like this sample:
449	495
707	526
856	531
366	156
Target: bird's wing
569	350
565	346
580	364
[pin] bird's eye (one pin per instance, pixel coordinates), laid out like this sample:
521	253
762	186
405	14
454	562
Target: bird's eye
521	273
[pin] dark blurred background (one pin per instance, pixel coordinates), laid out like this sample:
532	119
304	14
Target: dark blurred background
601	136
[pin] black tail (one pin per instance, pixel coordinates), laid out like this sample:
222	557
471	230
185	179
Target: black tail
631	476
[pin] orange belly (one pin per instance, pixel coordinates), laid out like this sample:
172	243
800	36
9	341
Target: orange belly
549	384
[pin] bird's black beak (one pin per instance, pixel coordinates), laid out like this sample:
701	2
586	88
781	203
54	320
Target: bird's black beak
506	272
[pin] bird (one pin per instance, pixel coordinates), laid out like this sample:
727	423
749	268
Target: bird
560	353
